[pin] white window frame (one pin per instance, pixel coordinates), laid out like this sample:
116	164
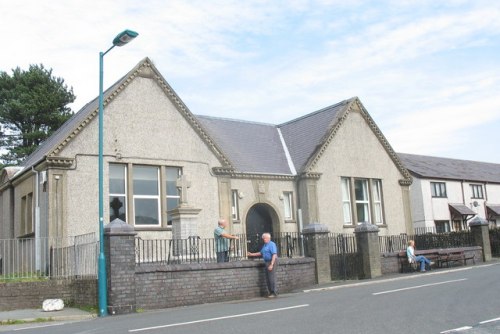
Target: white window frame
377	200
170	196
365	202
235	205
121	195
288	205
346	200
154	197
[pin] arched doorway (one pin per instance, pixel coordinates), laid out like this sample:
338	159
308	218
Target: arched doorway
261	218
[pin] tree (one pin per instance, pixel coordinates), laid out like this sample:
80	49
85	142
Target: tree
33	104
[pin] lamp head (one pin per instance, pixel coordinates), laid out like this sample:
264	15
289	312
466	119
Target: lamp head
124	37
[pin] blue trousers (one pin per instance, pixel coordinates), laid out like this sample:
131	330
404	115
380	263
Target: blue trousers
423	261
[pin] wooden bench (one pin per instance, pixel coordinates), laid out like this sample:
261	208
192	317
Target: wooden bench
405	266
456	255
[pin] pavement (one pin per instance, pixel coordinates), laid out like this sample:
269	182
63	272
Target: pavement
33	315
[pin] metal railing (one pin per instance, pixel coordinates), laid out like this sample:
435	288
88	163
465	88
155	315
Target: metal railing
495	241
344	258
198	250
394	243
30	258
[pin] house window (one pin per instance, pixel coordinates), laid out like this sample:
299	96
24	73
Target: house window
378	217
173	194
346	200
117	192
235	206
26	214
288	205
442	226
477	191
365	203
438	189
146	195
362	200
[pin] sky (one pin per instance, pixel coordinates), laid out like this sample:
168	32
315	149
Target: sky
428	72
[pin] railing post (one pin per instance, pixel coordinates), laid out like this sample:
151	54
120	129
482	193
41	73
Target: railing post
119	247
368	250
481	236
316	236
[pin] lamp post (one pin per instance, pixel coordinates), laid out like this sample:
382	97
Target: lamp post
121	39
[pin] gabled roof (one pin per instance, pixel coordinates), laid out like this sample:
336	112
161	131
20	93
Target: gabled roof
84	116
306	134
451	169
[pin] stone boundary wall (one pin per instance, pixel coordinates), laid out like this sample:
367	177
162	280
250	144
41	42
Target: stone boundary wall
21	295
390	263
164	286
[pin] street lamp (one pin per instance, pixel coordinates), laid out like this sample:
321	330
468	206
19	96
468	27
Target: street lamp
121	39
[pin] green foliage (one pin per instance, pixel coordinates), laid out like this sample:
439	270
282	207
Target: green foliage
33	104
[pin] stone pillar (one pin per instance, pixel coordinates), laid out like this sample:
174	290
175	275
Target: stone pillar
184	222
119	248
316	246
481	236
368	250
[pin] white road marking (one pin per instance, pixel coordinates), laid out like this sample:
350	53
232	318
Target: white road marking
41	326
419	286
219	318
456	330
491	320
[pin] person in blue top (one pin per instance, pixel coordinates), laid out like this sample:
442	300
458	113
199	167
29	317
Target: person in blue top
222	241
410	253
269	253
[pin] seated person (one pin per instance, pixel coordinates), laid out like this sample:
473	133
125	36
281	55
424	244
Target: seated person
410	253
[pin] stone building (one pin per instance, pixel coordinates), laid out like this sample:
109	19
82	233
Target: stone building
171	173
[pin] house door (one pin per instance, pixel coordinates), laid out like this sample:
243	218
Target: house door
259	220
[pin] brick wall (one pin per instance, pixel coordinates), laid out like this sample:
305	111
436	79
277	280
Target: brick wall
21	295
162	286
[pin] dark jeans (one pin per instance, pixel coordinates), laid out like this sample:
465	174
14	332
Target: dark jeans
223	256
271	278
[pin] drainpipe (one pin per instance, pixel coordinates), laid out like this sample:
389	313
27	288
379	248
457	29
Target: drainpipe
37	220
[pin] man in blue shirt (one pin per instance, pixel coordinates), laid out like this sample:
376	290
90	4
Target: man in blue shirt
269	253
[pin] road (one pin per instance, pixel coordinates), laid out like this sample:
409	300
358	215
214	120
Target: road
462	300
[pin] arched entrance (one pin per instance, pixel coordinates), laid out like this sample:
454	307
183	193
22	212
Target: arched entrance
261	218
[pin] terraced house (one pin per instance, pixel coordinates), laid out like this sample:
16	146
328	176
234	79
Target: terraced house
447	193
171	174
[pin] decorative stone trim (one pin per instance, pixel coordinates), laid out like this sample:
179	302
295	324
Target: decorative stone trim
59	162
147	70
230	172
355	102
310	176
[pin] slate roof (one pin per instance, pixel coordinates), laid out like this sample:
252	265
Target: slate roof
451	169
307	133
251	147
257	148
461	209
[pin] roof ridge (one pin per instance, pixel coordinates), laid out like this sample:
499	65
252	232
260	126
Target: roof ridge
317	112
235	120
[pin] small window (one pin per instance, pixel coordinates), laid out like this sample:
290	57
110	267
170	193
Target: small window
146	196
377	202
117	192
477	191
362	200
288	205
173	193
346	200
235	210
438	189
442	226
